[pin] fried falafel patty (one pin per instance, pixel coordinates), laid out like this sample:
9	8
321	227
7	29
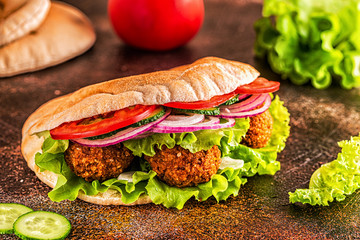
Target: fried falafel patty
259	132
98	163
181	168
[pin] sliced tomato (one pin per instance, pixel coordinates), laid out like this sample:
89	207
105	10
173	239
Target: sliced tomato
102	123
213	102
260	85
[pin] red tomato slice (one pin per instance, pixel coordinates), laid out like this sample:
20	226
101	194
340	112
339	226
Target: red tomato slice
213	102
260	85
102	123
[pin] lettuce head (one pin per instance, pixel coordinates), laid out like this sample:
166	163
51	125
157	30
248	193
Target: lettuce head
311	41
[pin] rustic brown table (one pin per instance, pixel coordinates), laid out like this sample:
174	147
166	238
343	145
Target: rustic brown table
319	119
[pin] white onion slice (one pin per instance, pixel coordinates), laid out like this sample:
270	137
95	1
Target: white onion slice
210	122
256	100
228	162
233	113
127	176
121	136
181	120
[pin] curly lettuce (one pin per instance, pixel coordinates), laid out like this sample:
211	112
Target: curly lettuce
334	180
316	41
242	162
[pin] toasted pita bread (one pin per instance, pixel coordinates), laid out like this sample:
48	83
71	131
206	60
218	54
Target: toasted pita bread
20	17
201	80
65	33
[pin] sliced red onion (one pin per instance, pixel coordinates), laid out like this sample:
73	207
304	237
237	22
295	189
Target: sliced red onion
242	96
256	100
210	122
233	113
245	102
143	135
181	120
121	136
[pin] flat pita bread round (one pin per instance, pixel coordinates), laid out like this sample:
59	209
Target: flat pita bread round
65	33
20	17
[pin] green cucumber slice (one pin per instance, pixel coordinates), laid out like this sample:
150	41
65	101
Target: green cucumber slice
207	111
231	101
9	212
42	225
153	117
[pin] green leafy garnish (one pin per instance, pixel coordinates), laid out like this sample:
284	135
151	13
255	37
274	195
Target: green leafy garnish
307	40
333	180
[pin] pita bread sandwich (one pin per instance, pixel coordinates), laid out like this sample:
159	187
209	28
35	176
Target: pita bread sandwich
64	33
192	132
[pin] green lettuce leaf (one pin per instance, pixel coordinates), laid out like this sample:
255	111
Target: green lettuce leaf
311	41
333	180
225	183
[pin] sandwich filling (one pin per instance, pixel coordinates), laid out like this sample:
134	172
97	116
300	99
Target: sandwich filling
171	150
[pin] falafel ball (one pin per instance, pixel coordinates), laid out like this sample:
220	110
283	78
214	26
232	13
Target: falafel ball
259	132
98	163
181	168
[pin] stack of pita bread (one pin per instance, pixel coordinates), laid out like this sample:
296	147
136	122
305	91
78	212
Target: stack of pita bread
35	34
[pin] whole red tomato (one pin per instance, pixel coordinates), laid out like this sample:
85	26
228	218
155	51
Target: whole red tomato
156	24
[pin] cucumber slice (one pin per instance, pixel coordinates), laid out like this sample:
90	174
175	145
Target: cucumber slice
9	212
207	111
231	101
42	225
153	117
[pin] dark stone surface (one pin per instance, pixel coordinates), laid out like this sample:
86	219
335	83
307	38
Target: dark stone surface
319	119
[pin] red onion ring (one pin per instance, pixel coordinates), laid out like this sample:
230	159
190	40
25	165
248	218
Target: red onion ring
242	96
121	136
143	135
233	113
181	120
239	107
247	101
209	123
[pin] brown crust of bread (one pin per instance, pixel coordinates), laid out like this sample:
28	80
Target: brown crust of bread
201	80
